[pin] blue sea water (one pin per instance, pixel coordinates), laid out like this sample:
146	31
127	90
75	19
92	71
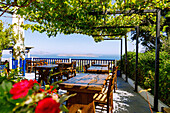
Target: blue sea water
108	57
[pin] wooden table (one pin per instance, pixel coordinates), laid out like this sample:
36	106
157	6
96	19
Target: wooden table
85	85
98	69
44	71
102	65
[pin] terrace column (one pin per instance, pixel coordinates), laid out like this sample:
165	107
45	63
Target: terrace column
126	57
136	79
156	87
121	60
18	30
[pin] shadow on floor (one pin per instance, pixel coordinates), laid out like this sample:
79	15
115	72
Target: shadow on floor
127	101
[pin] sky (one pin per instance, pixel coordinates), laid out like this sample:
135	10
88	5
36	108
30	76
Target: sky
70	44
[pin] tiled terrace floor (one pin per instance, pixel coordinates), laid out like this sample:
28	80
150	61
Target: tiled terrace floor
125	99
128	101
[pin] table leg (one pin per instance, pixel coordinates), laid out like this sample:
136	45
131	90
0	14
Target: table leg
35	73
82	102
43	76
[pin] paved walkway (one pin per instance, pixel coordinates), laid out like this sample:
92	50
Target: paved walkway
125	99
128	101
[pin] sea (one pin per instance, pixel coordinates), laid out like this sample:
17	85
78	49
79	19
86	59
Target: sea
108	57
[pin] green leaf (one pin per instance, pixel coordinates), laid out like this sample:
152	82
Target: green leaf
6	85
65	97
168	14
1	90
64	108
30	92
6	108
134	1
20	100
36	86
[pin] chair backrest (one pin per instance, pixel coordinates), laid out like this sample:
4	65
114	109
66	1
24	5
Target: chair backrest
42	62
108	67
74	64
110	92
85	67
111	81
92	63
28	62
116	69
56	62
60	67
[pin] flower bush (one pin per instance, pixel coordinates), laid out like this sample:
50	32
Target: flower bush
27	96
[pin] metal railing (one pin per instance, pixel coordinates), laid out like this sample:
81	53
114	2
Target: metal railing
51	60
79	62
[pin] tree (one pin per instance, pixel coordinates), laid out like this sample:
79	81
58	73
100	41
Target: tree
147	33
8	37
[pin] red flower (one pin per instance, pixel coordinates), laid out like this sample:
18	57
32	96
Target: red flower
47	105
41	90
21	89
51	87
31	83
54	91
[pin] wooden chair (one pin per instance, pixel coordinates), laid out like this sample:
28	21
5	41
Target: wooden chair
72	69
85	67
92	63
115	81
69	70
57	73
114	72
58	61
108	67
38	63
29	66
104	99
166	110
42	62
